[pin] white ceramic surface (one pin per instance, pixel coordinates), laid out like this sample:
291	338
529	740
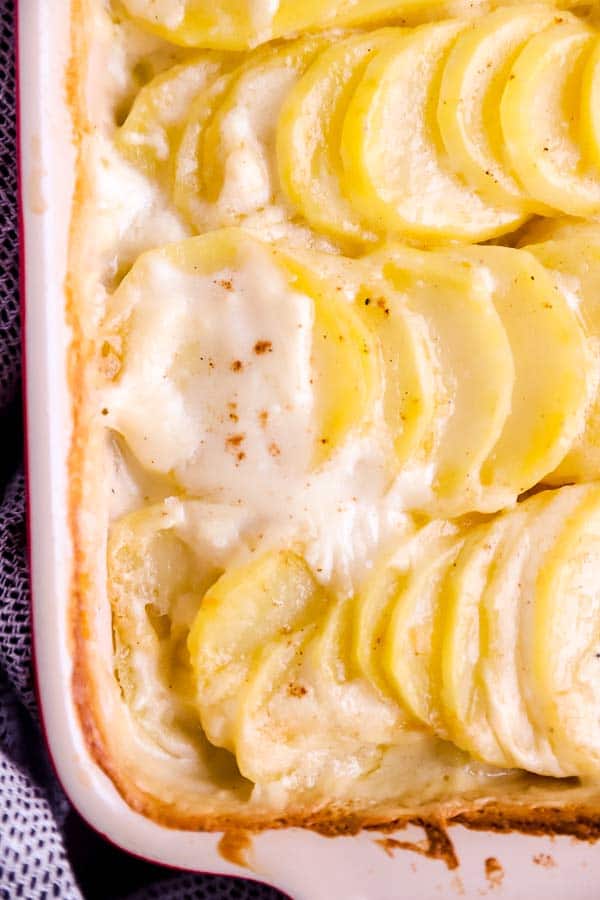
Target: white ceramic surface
306	866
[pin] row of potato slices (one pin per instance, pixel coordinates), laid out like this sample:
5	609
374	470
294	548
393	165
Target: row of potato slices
454	131
482	362
486	636
239	24
490	638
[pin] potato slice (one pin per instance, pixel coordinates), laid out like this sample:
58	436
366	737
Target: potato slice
296	366
561	639
372	606
590	107
541	122
575	262
532	531
292	17
268	740
549	395
396	171
346	363
330	647
413	388
464	706
411	652
355	709
188	178
378	595
309	134
151	132
246	608
475	362
222	24
474	78
413	383
284	731
240	24
300	713
228	170
161	560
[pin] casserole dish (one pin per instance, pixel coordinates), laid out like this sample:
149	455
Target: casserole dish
364	865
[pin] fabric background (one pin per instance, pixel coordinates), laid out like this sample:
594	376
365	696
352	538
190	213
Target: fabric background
46	850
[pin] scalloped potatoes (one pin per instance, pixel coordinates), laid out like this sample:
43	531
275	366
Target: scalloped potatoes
313	587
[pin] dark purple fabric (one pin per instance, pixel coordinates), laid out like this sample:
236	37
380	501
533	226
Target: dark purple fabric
45	848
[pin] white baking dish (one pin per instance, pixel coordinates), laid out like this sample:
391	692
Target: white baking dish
304	864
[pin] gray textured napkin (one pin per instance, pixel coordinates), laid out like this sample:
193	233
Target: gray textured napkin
45	848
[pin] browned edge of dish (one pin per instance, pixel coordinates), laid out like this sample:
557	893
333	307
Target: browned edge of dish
581	821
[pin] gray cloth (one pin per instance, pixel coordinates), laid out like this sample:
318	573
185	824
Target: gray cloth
45	849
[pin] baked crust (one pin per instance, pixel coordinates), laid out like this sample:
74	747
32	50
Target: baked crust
103	719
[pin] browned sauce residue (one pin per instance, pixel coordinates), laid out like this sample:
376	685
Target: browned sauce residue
237	365
274	449
544	860
296	690
234	847
234	440
261	347
263	417
225	283
435	845
494	872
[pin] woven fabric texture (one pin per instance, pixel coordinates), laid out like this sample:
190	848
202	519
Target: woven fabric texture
45	849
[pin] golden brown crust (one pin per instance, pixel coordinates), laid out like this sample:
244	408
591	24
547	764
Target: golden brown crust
581	820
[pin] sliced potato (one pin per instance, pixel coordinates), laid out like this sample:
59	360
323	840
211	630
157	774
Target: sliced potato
222	24
330	647
346	363
150	134
188	180
561	639
411	652
301	713
240	24
395	168
541	122
474	78
532	529
285	729
309	134
160	564
354	708
292	17
549	394
276	717
475	363
372	605
413	383
246	608
576	264
464	706
590	107
345	355
409	369
226	167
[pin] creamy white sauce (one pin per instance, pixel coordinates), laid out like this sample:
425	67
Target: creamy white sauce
217	392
